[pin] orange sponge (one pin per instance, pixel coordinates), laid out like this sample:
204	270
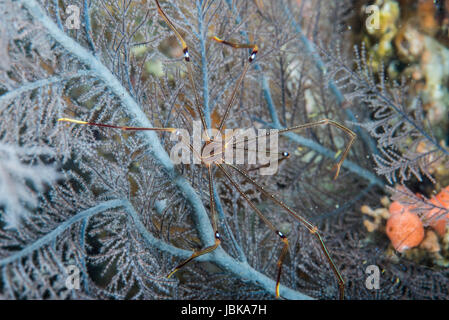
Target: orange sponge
396	207
438	220
404	228
443	197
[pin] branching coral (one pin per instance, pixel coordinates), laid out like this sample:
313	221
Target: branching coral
122	212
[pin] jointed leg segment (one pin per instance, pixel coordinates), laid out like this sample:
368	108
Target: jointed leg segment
349	132
312	228
333	123
214	224
282	237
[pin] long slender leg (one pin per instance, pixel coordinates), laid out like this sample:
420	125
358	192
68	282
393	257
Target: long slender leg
312	228
188	63
125	128
282	237
254	47
197	254
214	225
240	79
211	199
349	132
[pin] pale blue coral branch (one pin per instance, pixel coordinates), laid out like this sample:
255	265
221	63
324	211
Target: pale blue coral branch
58	17
270	104
204	71
29	86
83	258
82	216
51	236
87	26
